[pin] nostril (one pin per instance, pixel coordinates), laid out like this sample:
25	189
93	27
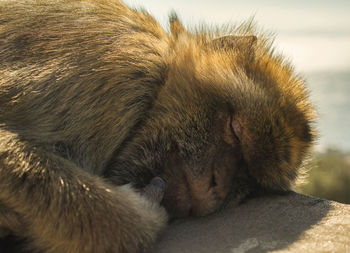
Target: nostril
213	181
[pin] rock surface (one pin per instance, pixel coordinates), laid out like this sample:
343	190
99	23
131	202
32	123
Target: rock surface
275	223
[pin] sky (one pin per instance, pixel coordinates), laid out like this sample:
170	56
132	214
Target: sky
313	34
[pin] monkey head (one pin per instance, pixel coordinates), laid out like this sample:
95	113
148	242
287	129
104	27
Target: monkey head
230	118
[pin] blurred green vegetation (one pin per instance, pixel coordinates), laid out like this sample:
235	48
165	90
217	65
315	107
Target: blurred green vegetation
329	176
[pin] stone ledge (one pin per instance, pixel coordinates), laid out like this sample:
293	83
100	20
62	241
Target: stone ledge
276	223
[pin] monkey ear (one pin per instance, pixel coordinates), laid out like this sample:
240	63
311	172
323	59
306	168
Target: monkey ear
176	26
233	41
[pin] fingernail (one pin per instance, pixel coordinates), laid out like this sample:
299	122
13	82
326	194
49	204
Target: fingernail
157	181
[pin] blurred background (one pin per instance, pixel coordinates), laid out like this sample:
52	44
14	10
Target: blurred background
315	37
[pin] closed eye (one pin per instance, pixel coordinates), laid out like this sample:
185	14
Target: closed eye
236	129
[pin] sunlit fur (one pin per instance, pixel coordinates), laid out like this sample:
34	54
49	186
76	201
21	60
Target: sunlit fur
268	99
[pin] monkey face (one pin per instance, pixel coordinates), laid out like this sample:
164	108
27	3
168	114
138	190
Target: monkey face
199	184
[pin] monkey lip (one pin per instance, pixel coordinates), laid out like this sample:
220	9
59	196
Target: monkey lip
182	208
203	212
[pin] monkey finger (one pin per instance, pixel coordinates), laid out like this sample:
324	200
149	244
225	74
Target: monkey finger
155	189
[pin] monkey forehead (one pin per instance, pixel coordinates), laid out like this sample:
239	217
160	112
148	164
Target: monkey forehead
196	59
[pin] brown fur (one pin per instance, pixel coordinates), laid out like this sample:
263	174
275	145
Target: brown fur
95	96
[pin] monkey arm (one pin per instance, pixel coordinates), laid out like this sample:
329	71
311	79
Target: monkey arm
66	209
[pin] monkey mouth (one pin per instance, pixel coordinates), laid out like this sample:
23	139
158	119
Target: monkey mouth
182	205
